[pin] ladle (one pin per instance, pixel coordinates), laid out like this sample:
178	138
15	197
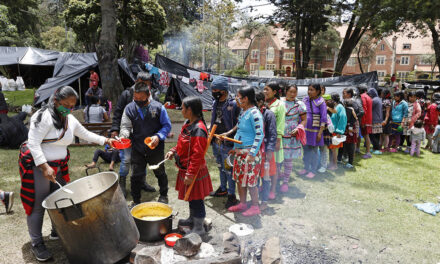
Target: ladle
64	189
155	167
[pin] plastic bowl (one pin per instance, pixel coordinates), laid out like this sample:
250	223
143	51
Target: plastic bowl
147	142
169	242
123	143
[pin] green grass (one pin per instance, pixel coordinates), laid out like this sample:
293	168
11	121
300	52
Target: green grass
19	98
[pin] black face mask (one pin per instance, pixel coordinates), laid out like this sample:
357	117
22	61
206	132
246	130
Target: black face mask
217	95
141	103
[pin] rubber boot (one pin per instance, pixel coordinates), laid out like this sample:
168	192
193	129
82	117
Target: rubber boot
187	222
122	185
198	227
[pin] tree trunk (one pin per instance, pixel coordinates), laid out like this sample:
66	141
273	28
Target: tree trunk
436	42
247	53
107	53
306	45
359	60
298	37
219	46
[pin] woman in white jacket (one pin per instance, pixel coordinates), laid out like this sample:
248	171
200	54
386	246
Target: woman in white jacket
44	157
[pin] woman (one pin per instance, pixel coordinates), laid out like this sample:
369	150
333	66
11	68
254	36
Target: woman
190	159
414	112
377	118
95	113
431	118
316	121
296	118
351	137
272	93
399	112
44	159
386	124
339	121
247	163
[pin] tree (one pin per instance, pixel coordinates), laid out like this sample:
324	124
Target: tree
252	29
303	20
325	43
138	22
429	59
8	31
365	51
56	38
107	52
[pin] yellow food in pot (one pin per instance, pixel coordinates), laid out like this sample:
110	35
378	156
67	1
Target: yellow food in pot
152	213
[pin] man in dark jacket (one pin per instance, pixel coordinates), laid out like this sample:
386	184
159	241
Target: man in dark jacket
125	155
145	118
224	114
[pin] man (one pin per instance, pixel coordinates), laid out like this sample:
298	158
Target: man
367	119
93	75
144	118
94	90
225	114
125	154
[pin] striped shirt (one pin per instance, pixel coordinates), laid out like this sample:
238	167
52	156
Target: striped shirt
250	130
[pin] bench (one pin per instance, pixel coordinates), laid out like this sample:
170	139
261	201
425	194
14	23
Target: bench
97	128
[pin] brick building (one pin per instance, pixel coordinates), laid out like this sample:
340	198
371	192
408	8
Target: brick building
395	54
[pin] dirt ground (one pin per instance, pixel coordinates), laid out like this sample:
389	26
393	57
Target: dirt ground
363	216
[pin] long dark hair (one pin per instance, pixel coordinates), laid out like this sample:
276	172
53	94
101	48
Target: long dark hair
60	94
317	87
196	106
400	95
248	92
336	98
274	86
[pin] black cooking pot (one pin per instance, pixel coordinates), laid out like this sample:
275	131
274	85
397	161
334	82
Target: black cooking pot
153	219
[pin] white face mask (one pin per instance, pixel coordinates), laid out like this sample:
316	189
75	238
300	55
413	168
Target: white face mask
238	101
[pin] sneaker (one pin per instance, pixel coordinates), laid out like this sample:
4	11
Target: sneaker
41	253
253	210
163	199
348	166
219	193
53	235
406	151
148	188
377	152
345	159
322	170
302	172
231	201
310	175
284	188
272	196
393	150
366	156
238	208
8	201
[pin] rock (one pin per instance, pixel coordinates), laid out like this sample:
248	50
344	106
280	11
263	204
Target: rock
148	255
207	224
206	251
188	245
271	251
231	258
230	243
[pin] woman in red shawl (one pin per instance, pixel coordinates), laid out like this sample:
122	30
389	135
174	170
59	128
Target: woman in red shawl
190	159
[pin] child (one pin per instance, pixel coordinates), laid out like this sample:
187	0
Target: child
399	112
339	121
267	149
418	136
350	132
109	155
327	135
436	140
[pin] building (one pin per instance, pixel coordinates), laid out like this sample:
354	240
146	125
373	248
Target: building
395	54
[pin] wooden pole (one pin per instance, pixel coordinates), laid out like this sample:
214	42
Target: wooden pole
211	135
228	139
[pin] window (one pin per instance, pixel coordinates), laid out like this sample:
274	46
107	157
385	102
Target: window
351	62
406	46
380	60
289	56
382	46
254	54
270	67
402	74
381	74
270	54
404	60
254	66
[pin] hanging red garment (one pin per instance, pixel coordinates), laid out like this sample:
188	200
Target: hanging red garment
189	156
204	76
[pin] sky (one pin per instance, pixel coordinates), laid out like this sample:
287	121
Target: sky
257	11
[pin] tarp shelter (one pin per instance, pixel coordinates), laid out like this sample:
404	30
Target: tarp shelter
179	89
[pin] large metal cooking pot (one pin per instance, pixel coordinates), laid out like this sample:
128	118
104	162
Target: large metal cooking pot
94	223
153	219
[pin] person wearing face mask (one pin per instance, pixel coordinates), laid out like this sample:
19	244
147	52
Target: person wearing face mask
44	159
225	114
142	118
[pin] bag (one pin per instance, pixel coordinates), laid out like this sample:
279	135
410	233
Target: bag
316	118
20	84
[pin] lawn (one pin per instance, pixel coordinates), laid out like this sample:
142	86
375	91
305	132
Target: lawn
19	98
365	214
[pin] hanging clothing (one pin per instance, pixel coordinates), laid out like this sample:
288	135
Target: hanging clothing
200	86
190	160
193	74
204	76
164	79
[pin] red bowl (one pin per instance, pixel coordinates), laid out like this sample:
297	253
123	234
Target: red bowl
172	243
123	143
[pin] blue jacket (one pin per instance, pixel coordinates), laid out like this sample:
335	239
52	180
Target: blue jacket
377	106
339	119
270	130
151	121
250	131
399	111
230	114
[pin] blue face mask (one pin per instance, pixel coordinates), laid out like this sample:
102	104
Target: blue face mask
63	111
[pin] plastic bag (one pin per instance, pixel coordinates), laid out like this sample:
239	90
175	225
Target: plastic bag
4	82
12	85
20	84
